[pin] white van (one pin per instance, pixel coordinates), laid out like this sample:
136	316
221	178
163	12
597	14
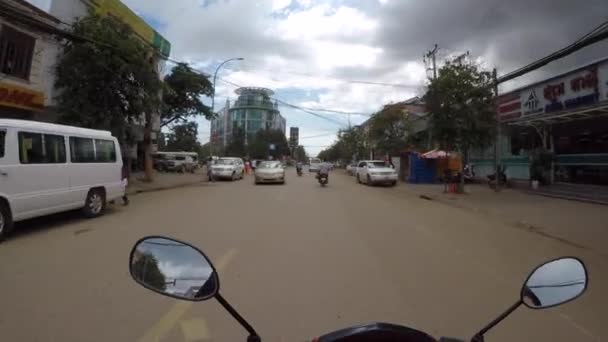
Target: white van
47	168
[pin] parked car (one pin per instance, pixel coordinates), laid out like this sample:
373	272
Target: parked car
351	169
47	168
228	168
375	172
270	172
176	161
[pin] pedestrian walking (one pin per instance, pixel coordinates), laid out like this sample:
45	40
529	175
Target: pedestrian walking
247	167
125	183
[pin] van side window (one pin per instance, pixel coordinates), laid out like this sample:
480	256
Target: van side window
82	150
105	152
54	148
36	148
2	135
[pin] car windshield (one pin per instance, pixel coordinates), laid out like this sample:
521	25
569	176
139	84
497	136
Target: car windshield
373	165
225	162
270	165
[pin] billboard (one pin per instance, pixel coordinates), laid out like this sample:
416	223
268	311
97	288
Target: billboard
119	10
294	136
581	88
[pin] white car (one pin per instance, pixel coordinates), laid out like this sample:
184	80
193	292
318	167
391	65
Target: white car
375	172
228	168
351	169
270	172
47	168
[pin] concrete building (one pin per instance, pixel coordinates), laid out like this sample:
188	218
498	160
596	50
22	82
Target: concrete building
252	111
294	137
68	11
27	58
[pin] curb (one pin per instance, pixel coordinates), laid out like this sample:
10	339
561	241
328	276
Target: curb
133	192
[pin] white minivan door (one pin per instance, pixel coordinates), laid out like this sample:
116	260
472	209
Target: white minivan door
38	180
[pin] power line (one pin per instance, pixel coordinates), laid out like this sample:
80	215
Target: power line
384	84
592	37
317	136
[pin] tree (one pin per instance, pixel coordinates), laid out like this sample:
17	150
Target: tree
299	154
146	270
390	128
110	84
236	147
184	137
461	104
353	144
259	148
182	95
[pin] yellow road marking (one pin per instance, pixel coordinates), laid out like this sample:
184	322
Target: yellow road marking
195	329
172	317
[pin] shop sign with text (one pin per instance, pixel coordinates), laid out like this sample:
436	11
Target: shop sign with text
19	97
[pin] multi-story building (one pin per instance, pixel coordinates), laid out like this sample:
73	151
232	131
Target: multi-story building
253	111
294	137
68	11
27	59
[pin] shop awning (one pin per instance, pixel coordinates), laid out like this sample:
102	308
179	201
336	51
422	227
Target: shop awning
556	118
435	154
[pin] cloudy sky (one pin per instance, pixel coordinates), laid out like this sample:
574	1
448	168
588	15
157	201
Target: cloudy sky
315	53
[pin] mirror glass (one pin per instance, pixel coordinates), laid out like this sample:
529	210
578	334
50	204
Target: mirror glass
173	268
555	282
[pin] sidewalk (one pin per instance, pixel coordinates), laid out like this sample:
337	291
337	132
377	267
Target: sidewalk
164	180
583	225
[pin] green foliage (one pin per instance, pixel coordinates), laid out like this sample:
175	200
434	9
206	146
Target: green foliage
351	145
106	87
461	104
540	165
389	129
299	154
182	95
236	147
184	137
145	268
258	148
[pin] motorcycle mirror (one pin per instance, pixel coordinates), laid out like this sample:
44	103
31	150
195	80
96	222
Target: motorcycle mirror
173	268
554	283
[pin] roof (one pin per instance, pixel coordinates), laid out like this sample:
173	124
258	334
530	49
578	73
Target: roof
43	126
36	10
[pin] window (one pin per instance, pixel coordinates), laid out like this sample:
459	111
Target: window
16	52
82	150
105	152
255	114
362	164
36	148
54	148
2	135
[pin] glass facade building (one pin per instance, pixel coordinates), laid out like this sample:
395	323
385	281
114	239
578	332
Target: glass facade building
253	110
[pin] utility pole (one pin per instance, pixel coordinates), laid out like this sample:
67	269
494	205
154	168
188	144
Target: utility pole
497	149
431	54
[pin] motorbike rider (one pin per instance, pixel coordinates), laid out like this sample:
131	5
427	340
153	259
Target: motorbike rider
323	171
299	167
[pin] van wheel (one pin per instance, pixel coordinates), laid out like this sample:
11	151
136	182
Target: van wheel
6	220
95	203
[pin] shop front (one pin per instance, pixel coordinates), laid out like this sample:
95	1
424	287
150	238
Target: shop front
566	115
17	102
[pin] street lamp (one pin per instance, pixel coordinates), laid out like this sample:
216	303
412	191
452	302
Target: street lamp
213	98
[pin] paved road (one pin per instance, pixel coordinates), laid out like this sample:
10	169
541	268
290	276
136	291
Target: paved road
296	260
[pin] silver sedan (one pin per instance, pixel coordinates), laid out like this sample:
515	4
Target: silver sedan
270	172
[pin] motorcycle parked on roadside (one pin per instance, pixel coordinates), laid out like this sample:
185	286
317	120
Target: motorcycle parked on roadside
502	178
552	283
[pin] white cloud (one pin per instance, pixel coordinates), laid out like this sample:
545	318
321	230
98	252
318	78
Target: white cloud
278	5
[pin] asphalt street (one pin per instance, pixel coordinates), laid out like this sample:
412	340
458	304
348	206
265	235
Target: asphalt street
296	260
